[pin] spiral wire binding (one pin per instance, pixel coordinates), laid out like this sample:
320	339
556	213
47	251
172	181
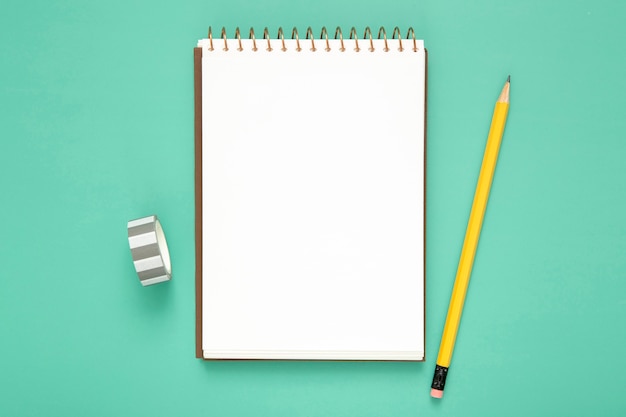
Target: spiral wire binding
309	35
238	36
396	30
324	35
368	31
356	38
338	31
282	39
266	35
254	48
384	32
223	35
294	32
367	35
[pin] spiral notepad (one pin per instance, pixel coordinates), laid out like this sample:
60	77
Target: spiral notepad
310	195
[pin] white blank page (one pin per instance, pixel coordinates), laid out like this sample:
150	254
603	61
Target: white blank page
313	201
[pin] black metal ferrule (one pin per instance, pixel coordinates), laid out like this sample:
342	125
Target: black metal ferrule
439	379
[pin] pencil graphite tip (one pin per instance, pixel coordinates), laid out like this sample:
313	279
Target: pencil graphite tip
508	80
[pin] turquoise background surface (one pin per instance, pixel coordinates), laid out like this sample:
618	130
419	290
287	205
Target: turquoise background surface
96	128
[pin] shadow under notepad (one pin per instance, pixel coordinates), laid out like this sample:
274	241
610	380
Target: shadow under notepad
313	369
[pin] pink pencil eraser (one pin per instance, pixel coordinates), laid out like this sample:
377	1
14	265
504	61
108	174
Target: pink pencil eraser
435	393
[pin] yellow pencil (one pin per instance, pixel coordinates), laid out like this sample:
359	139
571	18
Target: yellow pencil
471	241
